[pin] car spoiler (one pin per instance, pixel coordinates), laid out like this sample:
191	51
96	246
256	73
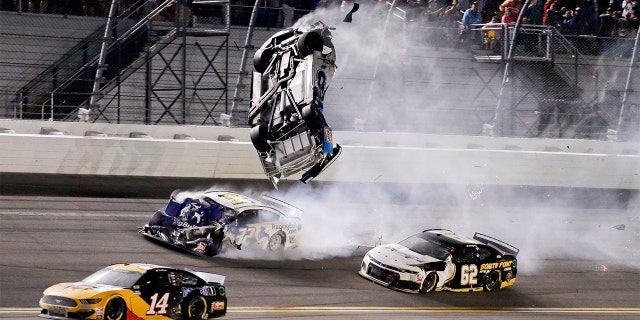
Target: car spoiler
501	245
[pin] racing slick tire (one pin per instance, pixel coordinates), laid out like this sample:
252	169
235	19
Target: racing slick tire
492	281
429	283
156	219
310	42
213	249
276	242
312	118
194	308
261	59
116	309
258	136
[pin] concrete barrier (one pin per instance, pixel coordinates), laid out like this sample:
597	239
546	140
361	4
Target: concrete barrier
226	153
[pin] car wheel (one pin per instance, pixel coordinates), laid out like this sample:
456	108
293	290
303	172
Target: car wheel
429	282
261	59
259	139
309	42
213	249
276	242
492	281
115	310
312	118
195	308
156	219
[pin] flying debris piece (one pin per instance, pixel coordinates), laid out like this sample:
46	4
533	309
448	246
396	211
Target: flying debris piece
349	16
620	227
293	70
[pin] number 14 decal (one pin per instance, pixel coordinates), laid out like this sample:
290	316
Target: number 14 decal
468	274
160	304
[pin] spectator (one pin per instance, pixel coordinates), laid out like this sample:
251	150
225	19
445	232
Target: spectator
507	17
472	16
554	17
545	7
514	8
452	15
534	12
492	32
568	26
607	30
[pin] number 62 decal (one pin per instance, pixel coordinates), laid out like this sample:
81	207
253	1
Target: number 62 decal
468	274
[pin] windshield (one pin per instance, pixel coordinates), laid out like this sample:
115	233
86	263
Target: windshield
114	277
426	247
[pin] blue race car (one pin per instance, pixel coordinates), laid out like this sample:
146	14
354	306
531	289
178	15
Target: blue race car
207	223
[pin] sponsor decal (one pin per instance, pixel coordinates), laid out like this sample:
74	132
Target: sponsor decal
205	291
201	246
328	134
217	305
236	198
495	265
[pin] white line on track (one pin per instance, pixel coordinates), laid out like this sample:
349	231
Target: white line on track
395	310
73	214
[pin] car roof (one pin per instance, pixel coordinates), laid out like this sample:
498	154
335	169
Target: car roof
232	200
137	267
237	201
448	237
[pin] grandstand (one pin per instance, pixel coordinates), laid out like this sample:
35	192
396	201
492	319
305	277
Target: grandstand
393	76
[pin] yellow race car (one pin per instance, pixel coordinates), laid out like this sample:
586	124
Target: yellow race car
138	291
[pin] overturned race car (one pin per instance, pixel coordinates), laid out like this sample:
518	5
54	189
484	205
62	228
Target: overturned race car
438	259
207	223
293	70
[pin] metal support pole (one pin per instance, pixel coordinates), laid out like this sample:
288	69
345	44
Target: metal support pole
245	53
488	128
628	83
97	82
183	88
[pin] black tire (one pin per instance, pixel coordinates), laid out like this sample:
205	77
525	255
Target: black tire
194	308
312	118
276	242
310	42
492	281
261	59
213	249
156	219
116	309
429	283
259	138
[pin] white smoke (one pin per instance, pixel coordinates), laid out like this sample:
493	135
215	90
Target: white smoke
344	219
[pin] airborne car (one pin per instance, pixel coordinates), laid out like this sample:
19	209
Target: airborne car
138	291
438	259
208	222
293	70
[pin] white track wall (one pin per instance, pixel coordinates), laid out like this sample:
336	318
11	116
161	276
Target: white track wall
226	153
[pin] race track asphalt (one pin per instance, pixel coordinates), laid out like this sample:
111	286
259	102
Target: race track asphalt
45	240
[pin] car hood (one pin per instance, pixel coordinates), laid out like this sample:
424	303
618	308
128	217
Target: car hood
399	256
78	289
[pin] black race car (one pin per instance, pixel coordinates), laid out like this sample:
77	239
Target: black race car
439	259
293	70
137	291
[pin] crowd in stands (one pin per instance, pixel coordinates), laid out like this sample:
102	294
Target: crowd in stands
604	18
601	18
